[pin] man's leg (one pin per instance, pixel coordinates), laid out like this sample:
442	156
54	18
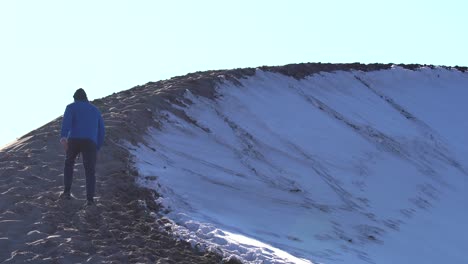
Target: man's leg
89	162
72	152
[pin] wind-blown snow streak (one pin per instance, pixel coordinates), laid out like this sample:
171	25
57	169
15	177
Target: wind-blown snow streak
341	167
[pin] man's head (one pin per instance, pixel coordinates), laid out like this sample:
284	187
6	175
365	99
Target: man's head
80	95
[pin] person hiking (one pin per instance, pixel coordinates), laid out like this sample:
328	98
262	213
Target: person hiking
82	132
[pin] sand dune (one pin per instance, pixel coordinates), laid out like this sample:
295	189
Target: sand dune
125	226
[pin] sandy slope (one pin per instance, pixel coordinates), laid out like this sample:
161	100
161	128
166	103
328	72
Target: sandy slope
34	226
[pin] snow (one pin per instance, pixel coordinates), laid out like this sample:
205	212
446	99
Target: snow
342	167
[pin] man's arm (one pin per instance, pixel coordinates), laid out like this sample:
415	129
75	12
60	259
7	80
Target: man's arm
101	132
66	127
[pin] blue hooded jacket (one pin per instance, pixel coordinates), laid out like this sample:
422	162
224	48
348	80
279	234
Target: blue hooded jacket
83	120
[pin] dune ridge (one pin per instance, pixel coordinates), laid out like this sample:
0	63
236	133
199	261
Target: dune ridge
125	226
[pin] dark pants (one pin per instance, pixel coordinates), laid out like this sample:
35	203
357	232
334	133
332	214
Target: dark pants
88	150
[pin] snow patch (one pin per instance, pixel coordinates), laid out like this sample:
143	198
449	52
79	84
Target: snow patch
343	167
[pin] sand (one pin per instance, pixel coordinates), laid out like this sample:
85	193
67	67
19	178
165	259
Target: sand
36	226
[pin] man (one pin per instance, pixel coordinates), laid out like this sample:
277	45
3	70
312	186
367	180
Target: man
82	132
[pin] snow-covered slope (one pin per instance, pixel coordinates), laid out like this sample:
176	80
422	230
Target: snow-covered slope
337	167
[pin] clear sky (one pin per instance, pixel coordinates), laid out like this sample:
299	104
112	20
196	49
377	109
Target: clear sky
49	48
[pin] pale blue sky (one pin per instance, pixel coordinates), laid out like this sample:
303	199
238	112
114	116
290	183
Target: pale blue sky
49	48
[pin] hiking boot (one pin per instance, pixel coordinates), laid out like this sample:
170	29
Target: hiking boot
65	196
